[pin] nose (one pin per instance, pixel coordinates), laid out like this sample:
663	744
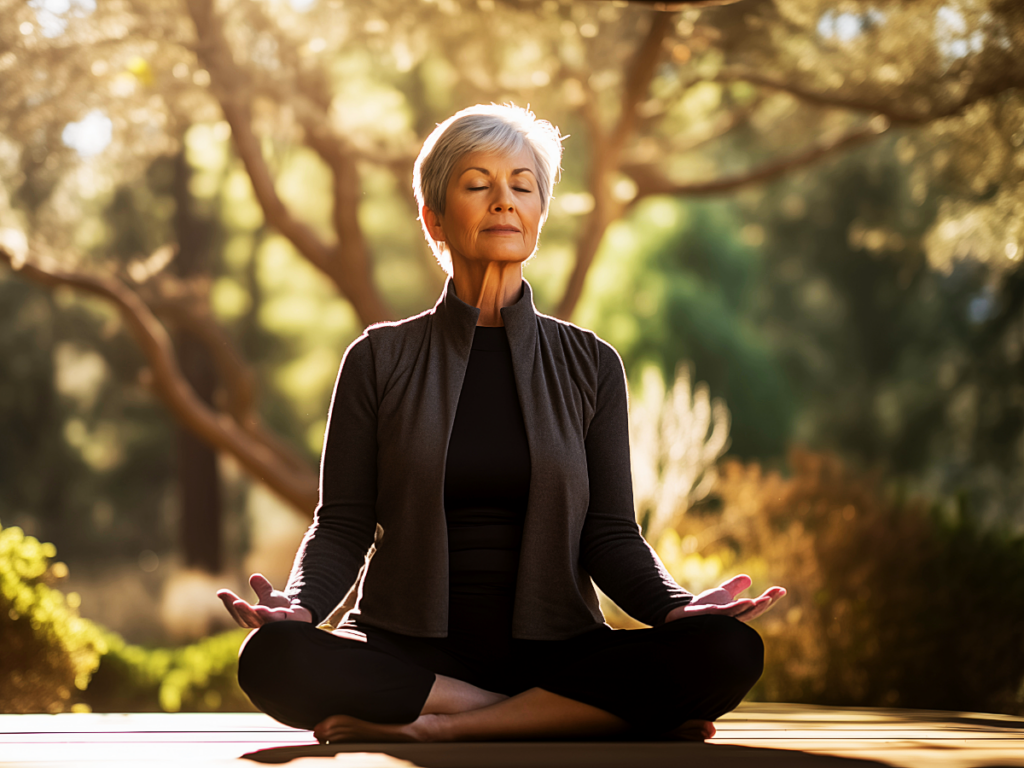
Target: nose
502	200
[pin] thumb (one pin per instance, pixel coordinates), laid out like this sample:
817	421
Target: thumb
736	584
261	586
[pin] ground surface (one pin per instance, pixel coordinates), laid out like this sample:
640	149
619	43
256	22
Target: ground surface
755	736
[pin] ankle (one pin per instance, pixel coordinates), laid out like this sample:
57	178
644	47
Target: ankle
428	728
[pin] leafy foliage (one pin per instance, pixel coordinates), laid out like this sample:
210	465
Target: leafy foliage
202	677
56	661
49	652
891	602
676	437
690	283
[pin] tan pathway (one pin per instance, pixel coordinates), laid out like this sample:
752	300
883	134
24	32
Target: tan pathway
755	736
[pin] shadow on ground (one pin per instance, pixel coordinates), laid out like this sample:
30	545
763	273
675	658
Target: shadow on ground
571	755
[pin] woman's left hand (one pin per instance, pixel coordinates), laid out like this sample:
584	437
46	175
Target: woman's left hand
725	601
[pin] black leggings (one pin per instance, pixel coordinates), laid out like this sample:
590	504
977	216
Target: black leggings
654	679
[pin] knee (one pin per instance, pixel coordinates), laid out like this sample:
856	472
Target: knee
730	650
739	649
262	654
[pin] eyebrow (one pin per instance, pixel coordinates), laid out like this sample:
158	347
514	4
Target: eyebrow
485	172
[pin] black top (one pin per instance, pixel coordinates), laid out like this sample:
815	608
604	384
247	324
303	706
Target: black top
486	487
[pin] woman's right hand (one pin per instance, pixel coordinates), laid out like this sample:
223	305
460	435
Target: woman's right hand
272	605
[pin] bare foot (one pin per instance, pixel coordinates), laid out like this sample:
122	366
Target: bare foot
694	730
342	728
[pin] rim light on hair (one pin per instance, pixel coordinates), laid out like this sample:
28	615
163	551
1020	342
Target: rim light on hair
499	128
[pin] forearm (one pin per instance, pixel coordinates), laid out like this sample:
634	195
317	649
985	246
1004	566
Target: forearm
335	546
628	570
612	550
328	560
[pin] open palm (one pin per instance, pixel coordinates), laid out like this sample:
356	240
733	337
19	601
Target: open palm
724	600
272	605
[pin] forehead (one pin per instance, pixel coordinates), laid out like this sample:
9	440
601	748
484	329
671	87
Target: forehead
497	162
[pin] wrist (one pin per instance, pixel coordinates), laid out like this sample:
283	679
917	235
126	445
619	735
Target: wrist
676	613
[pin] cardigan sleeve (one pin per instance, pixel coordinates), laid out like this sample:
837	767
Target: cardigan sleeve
612	550
335	546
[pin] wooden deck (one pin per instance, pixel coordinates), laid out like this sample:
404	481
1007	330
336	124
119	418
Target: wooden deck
755	736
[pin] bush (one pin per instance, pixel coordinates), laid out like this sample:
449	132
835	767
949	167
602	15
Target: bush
49	652
202	677
53	660
891	602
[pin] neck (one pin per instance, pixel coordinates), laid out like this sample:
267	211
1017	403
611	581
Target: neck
488	286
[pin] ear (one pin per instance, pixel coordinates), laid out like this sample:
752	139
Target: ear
433	224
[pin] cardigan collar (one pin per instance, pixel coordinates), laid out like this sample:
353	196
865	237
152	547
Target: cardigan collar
459	320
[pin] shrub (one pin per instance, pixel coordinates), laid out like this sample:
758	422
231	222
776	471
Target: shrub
53	660
48	651
891	602
201	677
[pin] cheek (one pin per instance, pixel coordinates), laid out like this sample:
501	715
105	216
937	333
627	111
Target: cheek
536	222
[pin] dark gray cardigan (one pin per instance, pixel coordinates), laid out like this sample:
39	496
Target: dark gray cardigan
383	463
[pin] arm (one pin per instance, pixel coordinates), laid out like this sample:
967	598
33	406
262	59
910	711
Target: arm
335	546
612	550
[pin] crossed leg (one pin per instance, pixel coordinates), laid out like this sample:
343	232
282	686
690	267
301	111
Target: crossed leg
296	686
458	711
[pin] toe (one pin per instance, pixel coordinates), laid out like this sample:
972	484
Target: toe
325	728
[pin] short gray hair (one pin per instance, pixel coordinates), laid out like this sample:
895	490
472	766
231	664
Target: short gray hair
484	128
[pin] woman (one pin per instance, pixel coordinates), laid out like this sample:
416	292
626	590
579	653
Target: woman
481	449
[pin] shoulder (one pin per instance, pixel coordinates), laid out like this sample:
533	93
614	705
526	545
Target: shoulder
581	346
397	330
391	340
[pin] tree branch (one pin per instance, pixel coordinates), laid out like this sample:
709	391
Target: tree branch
606	153
720	126
679	5
651	181
349	269
298	487
232	372
638	79
309	93
893	110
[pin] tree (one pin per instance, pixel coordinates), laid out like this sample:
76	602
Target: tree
741	95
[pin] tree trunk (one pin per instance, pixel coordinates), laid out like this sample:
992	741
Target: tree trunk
198	476
199	486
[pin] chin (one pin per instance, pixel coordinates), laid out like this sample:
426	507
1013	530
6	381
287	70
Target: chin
505	258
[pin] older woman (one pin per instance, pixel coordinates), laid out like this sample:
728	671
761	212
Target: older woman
475	483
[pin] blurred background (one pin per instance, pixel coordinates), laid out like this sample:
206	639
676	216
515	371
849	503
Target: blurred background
798	221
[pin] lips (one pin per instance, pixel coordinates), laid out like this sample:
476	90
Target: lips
503	228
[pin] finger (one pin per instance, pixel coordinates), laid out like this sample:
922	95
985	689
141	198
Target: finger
736	584
332	727
267	615
762	604
772	595
729	609
261	586
715	596
227	597
249	616
737	607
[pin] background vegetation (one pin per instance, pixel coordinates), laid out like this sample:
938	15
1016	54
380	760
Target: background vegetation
809	209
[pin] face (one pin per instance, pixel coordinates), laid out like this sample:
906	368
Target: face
492	209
